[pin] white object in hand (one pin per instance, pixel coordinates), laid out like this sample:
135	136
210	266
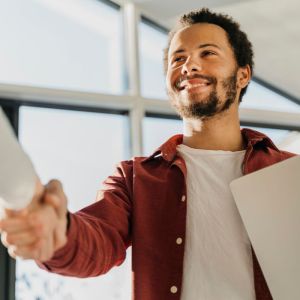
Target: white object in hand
17	175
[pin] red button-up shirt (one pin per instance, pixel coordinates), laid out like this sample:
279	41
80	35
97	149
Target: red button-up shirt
144	204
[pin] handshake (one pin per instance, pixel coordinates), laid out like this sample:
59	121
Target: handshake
39	229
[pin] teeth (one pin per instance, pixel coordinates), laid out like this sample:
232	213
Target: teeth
197	85
189	85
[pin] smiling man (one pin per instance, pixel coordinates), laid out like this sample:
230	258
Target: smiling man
202	70
174	207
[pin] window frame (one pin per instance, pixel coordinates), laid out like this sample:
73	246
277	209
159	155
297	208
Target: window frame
8	265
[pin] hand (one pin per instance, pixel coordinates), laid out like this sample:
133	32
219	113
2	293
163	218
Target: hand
35	201
39	230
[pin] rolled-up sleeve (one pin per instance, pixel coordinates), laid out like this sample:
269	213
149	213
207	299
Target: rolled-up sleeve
99	234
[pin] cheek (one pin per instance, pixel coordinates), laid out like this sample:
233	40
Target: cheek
219	87
169	82
171	77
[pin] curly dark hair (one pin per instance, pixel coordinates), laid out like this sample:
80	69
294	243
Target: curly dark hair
238	39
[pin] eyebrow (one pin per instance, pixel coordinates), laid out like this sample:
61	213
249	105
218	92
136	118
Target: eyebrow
200	46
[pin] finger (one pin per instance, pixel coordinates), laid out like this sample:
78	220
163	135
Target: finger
11	252
57	202
54	186
39	220
44	220
42	250
53	200
27	252
9	213
26	238
14	225
4	239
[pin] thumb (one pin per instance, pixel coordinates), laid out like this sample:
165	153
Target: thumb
10	213
54	186
55	196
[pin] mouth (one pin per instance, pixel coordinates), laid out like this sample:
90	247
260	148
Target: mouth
193	84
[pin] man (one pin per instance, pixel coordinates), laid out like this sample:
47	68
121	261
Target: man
174	207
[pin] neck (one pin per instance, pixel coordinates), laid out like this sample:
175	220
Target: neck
216	133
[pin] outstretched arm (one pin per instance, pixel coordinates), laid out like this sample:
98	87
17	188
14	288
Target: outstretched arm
18	180
96	239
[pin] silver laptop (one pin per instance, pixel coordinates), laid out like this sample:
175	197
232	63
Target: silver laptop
269	203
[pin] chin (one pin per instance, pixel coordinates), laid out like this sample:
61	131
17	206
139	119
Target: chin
193	98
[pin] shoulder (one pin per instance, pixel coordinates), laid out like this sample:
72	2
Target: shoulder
285	154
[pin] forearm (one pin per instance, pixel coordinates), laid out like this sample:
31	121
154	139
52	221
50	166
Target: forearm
18	180
93	248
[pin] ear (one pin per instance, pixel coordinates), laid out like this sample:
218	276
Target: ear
243	76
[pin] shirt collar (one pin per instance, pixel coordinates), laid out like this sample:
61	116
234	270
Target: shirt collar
168	150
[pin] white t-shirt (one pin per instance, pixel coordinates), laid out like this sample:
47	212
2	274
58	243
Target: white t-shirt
217	259
17	175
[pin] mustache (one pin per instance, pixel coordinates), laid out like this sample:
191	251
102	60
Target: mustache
209	79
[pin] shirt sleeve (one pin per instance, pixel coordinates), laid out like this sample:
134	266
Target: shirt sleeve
17	174
99	234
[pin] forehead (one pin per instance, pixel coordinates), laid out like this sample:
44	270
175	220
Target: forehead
202	33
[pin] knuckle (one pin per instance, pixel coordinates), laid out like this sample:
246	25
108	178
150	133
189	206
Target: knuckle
5	244
12	251
55	183
9	240
4	240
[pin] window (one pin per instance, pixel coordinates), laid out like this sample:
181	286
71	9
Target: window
152	42
61	44
156	131
260	97
291	142
80	149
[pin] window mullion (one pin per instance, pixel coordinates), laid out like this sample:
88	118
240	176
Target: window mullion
8	265
131	23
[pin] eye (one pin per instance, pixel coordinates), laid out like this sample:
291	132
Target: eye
207	53
178	59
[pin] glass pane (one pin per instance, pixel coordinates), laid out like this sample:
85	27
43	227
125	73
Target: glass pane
259	97
152	43
291	142
166	129
80	149
61	44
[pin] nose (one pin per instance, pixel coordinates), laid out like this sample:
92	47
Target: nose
191	66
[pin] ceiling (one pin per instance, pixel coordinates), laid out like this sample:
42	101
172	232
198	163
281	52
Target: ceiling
273	26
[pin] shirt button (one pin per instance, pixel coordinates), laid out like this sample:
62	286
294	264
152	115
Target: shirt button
183	198
179	241
173	289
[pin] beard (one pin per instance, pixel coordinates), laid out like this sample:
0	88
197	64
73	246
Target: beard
201	108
